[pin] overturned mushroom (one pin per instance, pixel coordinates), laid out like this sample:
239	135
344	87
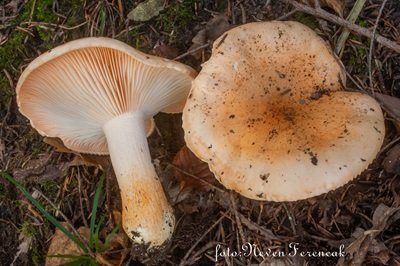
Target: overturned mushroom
97	95
268	114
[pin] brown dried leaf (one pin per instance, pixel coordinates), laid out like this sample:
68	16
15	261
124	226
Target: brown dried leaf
214	28
164	50
84	159
40	170
189	169
391	163
336	5
200	38
61	245
57	144
390	104
380	251
383	216
96	160
363	240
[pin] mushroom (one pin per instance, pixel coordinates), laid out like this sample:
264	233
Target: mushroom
97	95
268	114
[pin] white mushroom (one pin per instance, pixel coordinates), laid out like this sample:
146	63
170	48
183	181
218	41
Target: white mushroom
96	95
268	114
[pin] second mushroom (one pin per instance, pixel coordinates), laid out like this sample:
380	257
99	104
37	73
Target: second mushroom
269	115
97	95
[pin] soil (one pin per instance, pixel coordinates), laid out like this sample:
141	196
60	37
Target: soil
362	217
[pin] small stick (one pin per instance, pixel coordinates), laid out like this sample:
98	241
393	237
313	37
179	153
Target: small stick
371	47
184	260
266	233
237	218
74	231
352	17
197	178
344	23
287	15
191	51
291	219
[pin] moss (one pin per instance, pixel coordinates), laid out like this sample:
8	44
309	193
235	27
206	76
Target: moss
307	20
50	187
27	230
176	16
12	52
75	11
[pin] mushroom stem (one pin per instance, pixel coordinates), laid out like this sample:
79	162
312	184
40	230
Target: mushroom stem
147	218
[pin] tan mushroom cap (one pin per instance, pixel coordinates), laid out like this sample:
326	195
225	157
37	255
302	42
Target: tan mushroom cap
268	114
71	91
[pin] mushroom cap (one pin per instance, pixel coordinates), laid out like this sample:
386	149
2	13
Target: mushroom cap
268	114
71	91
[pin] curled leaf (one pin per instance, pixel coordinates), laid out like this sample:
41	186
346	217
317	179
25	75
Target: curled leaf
214	28
61	245
190	170
82	158
391	163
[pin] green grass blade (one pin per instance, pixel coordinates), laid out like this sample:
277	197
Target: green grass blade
97	242
92	228
40	207
110	235
354	13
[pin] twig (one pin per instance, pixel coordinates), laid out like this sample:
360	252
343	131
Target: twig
46	24
127	30
237	217
266	233
348	75
291	219
211	244
288	14
75	232
371	47
344	23
9	222
352	17
184	260
80	199
243	13
191	51
389	145
197	178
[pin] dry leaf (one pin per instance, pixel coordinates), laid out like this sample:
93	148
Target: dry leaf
188	167
40	170
391	163
217	26
61	245
57	144
391	105
84	159
214	28
380	251
336	5
164	50
364	240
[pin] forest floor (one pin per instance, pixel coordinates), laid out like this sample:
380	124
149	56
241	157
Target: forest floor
363	216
